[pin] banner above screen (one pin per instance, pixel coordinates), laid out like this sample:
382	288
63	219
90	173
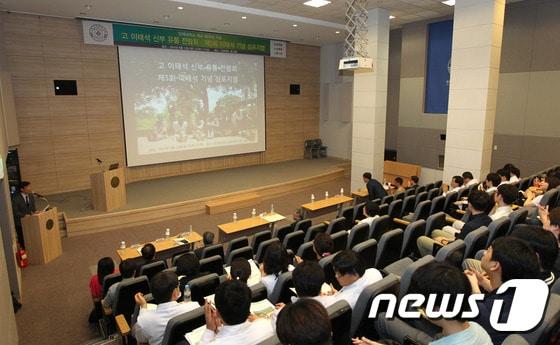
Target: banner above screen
105	33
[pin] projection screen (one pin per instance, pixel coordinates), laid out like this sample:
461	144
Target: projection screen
180	105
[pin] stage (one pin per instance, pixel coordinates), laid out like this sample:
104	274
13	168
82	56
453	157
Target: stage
172	197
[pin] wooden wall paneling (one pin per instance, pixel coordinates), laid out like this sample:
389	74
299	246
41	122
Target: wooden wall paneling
32	107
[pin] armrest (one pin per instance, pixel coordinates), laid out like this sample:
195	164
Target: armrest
461	211
401	221
122	325
107	310
449	219
515	207
326	222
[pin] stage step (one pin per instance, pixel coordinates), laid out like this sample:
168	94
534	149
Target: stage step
232	203
62	224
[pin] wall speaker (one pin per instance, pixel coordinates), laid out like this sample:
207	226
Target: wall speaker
65	88
294	89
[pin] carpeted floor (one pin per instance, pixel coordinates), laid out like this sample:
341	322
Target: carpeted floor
194	186
56	300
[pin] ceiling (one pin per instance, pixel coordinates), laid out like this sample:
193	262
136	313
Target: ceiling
264	18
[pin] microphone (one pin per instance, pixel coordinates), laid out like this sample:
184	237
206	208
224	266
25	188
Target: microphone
39	195
99	161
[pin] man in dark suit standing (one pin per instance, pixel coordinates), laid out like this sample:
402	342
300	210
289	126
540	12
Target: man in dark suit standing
23	204
374	188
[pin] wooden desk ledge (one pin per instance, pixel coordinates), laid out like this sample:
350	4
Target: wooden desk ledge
220	205
449	219
122	325
401	221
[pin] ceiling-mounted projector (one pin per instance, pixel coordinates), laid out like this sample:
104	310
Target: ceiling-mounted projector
356	63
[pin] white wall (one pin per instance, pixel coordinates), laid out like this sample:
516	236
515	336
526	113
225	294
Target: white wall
336	104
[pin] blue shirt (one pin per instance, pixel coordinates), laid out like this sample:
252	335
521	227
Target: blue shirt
474	335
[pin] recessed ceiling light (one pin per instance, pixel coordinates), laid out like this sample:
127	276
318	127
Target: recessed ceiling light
88	7
166	17
243	17
227	24
180	7
337	32
317	3
449	2
156	22
295	25
392	17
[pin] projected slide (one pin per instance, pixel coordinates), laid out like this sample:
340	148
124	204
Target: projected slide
180	105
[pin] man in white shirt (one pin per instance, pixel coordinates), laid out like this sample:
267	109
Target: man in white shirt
308	278
504	197
492	182
150	325
504	176
228	323
456	185
371	212
468	179
352	276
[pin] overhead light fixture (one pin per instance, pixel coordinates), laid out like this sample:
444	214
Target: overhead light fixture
295	25
180	7
317	3
449	2
337	32
392	17
243	17
166	17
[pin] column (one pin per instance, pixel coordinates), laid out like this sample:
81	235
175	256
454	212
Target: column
369	108
475	67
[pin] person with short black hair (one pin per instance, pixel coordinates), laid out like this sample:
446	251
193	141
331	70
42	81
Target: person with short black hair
275	262
455	186
127	268
23	204
504	176
207	240
188	268
413	183
240	270
351	274
468	179
504	197
534	195
308	278
398	185
505	259
374	188
227	323
550	220
492	181
323	245
371	212
150	324
148	252
514	173
304	322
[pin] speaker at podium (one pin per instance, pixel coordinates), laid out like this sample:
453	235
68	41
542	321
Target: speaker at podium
108	188
42	236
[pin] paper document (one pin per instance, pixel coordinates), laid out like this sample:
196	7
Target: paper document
275	217
195	336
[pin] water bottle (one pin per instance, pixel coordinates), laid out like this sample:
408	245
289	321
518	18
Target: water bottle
234	217
253	213
326	195
271	208
187	293
190	229
341	191
123	245
167	233
312	197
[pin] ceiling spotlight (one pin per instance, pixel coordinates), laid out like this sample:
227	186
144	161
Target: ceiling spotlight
243	17
392	17
317	3
449	2
337	32
180	7
166	17
295	25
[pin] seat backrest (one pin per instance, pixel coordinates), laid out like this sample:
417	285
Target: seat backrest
422	211
361	323
420	189
452	253
215	249
438	184
438	204
281	292
419	198
245	252
260	237
306	252
336	225
109	280
395	209
497	228
124	301
358	234
450	198
293	240
258	292
203	286
150	270
435	221
213	264
359	211
237	243
463	193
340	314
475	241
517	217
379	226
399	196
406	278
524	183
549	325
408	205
339	240
326	264
409	192
348	214
387	199
178	255
181	324
429	186
262	248
303	225
432	193
549	198
366	251
389	248
282	231
383	209
314	230
412	232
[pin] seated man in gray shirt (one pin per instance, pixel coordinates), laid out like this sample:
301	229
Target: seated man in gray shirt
127	268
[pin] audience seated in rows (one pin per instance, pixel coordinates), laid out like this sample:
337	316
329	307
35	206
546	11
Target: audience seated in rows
150	324
468	179
227	322
371	212
455	185
304	322
534	195
127	269
207	240
275	263
308	278
323	246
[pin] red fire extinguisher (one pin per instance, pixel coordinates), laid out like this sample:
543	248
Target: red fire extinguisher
21	257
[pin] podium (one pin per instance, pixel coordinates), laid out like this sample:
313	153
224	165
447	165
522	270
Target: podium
42	237
108	189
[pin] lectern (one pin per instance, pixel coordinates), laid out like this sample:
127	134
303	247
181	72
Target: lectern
108	189
42	237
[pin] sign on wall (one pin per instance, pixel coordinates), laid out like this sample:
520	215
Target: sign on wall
438	67
147	36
